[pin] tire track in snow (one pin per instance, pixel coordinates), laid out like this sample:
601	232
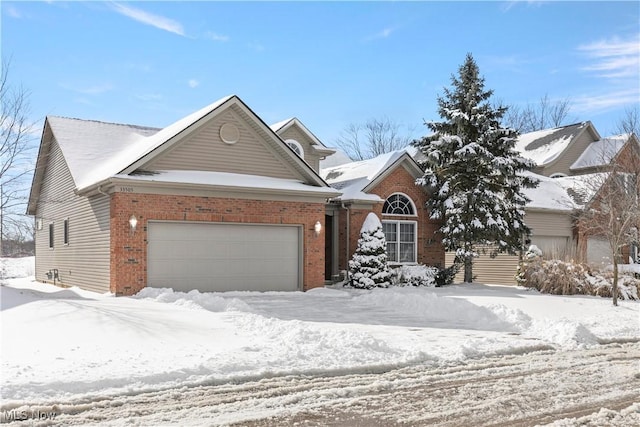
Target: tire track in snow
513	390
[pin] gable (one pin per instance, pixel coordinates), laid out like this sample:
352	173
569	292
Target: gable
294	132
206	150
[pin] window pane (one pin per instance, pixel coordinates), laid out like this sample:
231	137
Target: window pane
392	252
407	252
407	232
390	231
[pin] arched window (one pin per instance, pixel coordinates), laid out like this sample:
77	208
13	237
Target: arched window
295	146
398	204
557	175
401	235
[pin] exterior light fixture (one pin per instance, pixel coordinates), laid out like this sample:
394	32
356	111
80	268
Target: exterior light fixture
133	223
317	228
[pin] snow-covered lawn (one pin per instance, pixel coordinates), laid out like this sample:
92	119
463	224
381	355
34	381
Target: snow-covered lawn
62	344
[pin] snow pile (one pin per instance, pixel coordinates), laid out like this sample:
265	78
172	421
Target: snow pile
11	268
86	346
194	299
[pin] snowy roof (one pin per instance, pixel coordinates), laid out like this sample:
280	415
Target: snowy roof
550	194
544	146
353	178
601	152
87	143
233	181
582	188
95	150
284	124
277	126
336	159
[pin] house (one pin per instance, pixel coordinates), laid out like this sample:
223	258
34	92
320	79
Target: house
566	157
216	201
555	150
386	186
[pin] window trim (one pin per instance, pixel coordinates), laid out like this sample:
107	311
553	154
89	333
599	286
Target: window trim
52	239
295	145
413	205
398	242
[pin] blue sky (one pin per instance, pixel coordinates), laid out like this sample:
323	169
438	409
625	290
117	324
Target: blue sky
327	63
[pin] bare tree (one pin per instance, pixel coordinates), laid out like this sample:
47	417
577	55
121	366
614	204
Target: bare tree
16	164
374	137
543	115
630	121
613	212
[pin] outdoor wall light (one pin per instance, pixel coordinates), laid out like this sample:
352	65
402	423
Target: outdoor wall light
317	228
133	223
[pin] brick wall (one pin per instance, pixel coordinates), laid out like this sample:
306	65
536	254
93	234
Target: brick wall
429	246
129	249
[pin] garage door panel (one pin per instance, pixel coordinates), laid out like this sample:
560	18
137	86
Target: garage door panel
222	257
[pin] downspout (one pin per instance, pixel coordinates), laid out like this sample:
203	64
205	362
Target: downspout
348	238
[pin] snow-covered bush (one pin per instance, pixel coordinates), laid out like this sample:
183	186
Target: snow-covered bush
424	275
568	278
414	275
447	275
369	264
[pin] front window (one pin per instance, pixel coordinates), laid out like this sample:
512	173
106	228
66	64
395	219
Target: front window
401	240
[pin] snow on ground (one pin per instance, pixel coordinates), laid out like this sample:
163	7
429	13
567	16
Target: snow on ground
75	344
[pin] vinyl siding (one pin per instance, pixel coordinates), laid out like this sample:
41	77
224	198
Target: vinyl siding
85	260
294	133
204	150
569	156
500	270
551	231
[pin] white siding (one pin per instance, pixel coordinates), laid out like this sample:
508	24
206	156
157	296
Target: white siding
84	262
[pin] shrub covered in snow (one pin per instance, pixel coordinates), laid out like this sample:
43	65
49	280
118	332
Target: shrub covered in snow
414	275
423	275
369	265
568	278
447	275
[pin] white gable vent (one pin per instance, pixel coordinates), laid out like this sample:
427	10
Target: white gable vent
229	133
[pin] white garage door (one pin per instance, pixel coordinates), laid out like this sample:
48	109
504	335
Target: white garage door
223	257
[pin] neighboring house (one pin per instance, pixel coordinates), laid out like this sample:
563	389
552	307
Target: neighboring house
578	151
555	150
386	186
215	201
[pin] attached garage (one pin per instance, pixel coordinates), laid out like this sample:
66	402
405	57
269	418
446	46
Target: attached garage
215	257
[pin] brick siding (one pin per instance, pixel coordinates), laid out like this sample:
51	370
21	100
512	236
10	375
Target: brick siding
429	244
129	249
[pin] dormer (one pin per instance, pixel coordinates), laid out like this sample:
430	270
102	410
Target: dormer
304	143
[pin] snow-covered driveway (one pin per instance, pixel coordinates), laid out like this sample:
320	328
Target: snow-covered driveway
78	349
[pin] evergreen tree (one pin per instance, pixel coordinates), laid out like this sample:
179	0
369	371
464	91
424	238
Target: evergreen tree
368	265
473	173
